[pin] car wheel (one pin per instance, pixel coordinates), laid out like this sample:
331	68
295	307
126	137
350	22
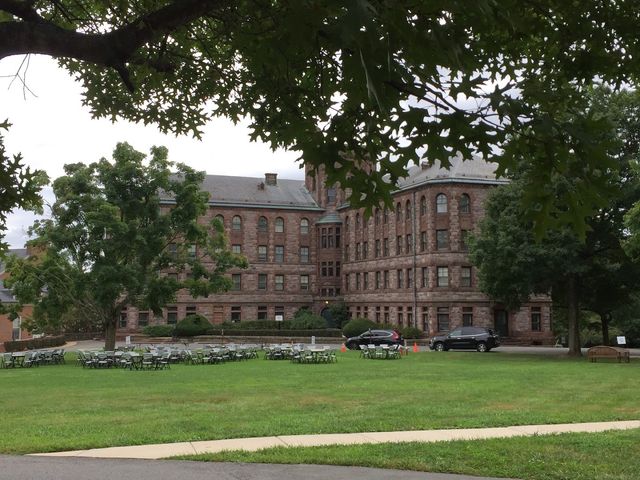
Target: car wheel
439	347
482	347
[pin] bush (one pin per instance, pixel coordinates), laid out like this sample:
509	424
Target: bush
34	343
307	320
159	330
339	314
257	325
357	326
328	332
193	325
411	332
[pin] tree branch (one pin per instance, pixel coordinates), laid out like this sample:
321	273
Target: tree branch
113	49
20	9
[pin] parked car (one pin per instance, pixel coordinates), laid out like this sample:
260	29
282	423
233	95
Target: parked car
374	337
468	338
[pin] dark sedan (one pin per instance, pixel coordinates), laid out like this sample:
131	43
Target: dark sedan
466	338
374	337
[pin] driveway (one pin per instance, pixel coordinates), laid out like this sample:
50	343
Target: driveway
49	468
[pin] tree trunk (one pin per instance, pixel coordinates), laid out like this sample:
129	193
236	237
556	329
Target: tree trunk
110	334
605	319
574	321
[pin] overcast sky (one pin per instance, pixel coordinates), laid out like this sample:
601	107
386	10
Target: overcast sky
52	128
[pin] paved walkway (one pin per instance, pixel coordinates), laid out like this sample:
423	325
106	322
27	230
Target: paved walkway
251	444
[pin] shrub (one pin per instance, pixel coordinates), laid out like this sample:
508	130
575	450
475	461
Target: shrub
357	326
193	325
278	333
257	325
34	343
159	330
301	312
411	332
339	314
307	320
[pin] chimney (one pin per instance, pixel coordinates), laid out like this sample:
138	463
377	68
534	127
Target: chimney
271	178
424	164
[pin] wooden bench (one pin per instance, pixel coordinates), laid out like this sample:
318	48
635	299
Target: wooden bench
605	351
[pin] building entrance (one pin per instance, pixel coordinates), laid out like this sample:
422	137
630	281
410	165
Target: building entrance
501	322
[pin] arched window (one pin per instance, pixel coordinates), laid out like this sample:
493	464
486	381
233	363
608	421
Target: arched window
346	224
407	210
263	225
377	216
385	216
279	225
357	220
220	218
398	212
441	203
304	226
423	205
464	205
236	223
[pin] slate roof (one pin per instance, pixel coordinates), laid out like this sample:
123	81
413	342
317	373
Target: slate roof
331	217
292	194
6	296
253	192
476	170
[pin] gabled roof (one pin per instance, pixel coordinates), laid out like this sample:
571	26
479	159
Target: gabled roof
255	193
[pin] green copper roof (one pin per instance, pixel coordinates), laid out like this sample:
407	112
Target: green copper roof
332	217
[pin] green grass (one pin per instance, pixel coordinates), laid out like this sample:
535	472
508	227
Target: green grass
576	456
55	408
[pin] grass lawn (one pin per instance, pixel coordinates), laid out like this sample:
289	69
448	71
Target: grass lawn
578	456
54	408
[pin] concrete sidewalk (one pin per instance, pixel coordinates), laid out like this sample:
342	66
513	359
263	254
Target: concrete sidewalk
252	444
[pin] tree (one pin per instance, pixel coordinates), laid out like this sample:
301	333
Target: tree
388	81
112	241
19	186
596	272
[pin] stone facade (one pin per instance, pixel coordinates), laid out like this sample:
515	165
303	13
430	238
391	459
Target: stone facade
405	266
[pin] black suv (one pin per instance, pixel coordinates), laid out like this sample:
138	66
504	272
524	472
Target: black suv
374	337
473	338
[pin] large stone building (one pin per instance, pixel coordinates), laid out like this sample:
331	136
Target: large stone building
405	266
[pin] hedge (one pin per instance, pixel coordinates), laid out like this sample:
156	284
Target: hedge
335	333
192	326
159	330
34	343
357	326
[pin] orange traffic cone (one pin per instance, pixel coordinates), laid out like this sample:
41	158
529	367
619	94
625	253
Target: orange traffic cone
343	348
415	347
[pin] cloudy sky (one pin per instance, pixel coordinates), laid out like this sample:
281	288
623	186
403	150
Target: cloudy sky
50	127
